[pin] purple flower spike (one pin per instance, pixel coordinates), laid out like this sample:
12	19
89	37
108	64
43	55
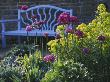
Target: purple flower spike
101	38
28	28
49	58
79	33
86	50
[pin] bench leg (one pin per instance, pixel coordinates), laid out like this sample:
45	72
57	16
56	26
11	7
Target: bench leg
3	41
19	40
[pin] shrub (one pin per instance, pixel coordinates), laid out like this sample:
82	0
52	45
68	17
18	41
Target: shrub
67	71
88	44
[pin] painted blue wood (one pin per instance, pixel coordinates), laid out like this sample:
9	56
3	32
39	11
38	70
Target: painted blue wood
27	15
55	15
19	18
13	20
46	13
3	35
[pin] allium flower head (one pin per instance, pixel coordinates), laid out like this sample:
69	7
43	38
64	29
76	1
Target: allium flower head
69	29
86	50
49	58
24	7
46	34
101	38
28	28
73	19
40	22
33	17
57	36
79	33
64	18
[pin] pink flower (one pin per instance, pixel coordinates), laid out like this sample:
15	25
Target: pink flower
24	7
49	58
28	28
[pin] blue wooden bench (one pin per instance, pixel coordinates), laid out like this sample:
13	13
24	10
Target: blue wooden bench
42	12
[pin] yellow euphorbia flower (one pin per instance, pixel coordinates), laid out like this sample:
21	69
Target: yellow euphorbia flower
81	26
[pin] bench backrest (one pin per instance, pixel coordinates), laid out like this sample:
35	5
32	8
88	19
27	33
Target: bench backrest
42	12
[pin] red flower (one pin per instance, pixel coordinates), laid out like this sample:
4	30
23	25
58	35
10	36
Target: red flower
24	7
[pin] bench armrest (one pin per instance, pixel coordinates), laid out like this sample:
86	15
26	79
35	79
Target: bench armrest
9	20
3	21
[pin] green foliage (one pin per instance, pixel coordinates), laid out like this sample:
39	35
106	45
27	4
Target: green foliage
81	56
21	50
67	71
6	73
96	55
24	69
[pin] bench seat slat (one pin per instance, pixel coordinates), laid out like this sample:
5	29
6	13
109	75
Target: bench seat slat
31	33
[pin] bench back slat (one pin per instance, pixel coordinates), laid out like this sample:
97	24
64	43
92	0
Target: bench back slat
46	13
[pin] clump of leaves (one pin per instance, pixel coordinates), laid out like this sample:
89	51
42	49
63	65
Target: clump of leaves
21	50
67	72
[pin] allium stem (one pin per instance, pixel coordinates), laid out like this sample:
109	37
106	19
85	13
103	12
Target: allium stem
36	39
42	45
28	42
46	44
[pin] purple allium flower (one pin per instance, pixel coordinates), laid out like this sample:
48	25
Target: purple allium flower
40	22
49	58
57	36
101	38
23	7
34	16
46	34
73	19
64	18
86	50
28	28
69	30
79	33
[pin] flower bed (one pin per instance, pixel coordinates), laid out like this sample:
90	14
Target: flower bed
80	54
